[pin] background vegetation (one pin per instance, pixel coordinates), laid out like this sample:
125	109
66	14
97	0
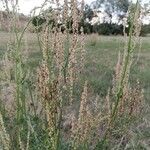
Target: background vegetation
107	27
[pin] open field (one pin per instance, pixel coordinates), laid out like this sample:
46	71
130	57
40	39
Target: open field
101	59
102	54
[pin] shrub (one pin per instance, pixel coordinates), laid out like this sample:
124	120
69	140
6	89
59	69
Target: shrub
145	30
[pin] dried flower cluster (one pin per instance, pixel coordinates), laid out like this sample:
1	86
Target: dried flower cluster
57	73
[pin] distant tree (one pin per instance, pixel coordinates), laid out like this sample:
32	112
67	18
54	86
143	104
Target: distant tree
145	30
109	29
85	21
88	13
112	5
120	7
39	20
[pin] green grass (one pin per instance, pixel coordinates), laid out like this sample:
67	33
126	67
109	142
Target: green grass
100	60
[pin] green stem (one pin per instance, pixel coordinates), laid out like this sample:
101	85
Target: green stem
121	86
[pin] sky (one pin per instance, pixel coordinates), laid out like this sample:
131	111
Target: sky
26	6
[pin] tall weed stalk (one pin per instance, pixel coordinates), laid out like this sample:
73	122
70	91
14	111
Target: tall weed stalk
122	82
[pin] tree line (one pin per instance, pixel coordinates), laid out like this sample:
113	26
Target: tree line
118	7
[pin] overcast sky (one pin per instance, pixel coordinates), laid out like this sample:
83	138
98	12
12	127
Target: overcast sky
27	5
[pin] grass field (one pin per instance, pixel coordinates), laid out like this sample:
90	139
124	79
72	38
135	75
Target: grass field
102	55
101	58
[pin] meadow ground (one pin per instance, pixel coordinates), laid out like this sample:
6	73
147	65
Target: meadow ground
101	58
102	54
